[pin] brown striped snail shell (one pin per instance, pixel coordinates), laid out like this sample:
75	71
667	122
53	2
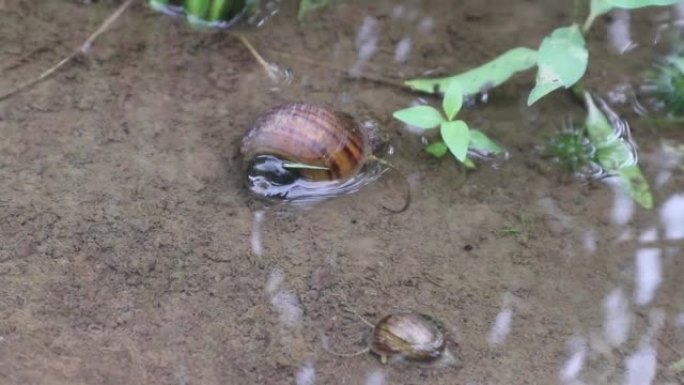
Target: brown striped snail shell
409	336
301	152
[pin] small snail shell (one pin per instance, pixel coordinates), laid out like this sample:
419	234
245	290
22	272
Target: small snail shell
330	141
409	336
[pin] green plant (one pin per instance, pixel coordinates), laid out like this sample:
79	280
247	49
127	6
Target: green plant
456	136
210	13
561	59
572	149
665	85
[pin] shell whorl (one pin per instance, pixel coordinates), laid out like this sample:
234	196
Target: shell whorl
310	134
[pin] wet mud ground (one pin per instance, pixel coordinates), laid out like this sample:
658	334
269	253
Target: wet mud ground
126	236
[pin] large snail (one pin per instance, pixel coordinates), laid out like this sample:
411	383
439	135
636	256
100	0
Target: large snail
407	337
306	152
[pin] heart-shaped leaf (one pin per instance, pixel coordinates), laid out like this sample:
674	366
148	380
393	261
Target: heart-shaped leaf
457	137
562	61
424	117
453	100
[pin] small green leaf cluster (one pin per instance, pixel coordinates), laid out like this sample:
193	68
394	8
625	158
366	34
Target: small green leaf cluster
665	84
561	59
615	154
456	136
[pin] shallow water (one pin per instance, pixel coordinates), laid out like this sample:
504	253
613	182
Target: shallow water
130	253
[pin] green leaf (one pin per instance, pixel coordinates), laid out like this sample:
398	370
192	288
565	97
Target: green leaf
437	149
615	155
480	142
424	117
634	4
600	7
453	100
599	129
489	75
306	6
635	185
457	137
562	61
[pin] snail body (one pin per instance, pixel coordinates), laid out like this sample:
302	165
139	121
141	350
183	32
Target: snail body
409	336
301	152
331	142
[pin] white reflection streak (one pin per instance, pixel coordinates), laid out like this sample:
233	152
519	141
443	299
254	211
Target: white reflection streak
619	35
285	302
589	241
255	238
502	324
366	43
617	318
403	49
647	275
306	374
376	377
573	366
641	366
672	216
623	206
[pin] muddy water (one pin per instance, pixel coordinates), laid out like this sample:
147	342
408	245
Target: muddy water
131	254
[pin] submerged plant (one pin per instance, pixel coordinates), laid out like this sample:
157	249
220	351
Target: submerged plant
572	149
206	13
665	85
456	136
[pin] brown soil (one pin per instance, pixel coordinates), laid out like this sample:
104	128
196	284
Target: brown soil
125	253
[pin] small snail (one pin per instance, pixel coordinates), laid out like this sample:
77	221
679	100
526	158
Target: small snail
305	152
407	337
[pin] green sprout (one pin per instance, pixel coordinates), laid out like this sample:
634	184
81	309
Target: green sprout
665	84
204	13
456	136
572	149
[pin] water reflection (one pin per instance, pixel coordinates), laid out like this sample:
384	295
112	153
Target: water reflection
577	347
619	35
672	216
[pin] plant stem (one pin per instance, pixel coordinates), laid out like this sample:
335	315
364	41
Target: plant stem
263	63
588	23
580	10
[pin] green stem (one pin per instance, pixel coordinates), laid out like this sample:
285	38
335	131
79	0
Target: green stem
197	8
581	8
588	23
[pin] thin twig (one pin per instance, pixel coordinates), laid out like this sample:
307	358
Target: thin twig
82	49
263	63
